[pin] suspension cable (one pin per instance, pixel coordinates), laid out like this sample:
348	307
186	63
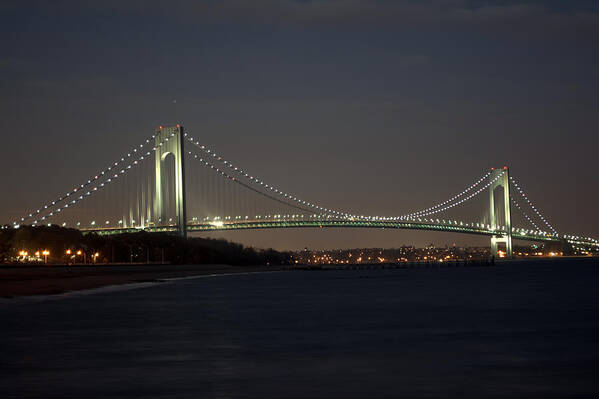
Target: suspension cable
272	188
236	180
438	210
429	211
109	179
455	197
531	204
89	182
524	213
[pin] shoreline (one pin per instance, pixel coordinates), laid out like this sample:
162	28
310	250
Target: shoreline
30	281
17	281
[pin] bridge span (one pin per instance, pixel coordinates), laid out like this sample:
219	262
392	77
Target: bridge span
455	227
167	199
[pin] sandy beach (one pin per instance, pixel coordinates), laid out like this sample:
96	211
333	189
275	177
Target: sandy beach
48	280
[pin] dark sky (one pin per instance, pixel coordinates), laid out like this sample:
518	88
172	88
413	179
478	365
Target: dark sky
378	107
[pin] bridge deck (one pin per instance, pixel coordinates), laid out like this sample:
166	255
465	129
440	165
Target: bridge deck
277	224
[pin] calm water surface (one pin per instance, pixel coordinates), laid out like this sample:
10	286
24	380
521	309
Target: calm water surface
524	330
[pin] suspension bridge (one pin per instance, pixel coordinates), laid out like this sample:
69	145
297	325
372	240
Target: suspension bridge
173	183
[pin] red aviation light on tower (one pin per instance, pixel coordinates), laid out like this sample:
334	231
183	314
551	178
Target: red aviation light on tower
505	168
178	125
492	168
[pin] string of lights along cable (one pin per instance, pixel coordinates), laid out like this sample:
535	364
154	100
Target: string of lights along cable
145	187
527	200
524	213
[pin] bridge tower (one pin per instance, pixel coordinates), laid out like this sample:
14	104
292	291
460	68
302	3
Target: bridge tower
169	140
503	181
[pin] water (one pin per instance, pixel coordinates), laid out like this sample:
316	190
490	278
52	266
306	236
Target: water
524	330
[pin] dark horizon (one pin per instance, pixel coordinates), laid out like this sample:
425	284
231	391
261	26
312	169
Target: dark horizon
373	107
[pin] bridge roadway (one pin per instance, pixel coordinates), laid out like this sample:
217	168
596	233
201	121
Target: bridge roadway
276	224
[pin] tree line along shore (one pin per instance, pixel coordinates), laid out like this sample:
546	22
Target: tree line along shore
59	245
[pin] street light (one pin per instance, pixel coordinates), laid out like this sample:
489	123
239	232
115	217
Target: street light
79	253
46	253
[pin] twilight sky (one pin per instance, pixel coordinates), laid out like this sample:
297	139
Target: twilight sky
377	107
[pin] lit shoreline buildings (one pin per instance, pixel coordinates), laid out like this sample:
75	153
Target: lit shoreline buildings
429	253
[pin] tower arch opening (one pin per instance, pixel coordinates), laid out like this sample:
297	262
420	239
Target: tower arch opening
170	178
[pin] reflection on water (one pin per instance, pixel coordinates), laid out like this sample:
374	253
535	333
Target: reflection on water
519	330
